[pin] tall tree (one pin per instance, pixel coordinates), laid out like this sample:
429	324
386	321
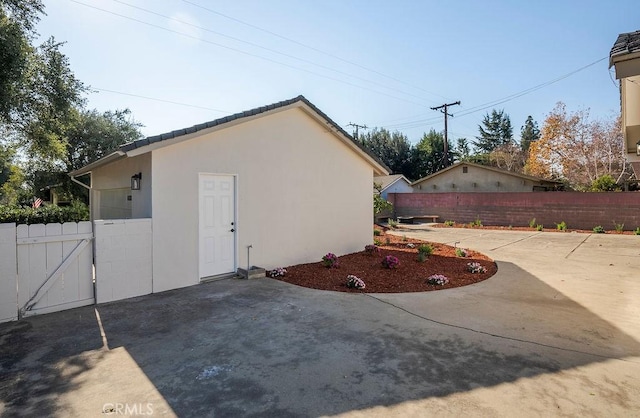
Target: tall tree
93	135
429	156
394	149
463	150
495	131
574	149
529	133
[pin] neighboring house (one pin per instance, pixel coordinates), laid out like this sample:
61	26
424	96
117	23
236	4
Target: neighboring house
471	177
269	181
625	56
395	183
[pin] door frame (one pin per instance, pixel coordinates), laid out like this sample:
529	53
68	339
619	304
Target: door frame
235	215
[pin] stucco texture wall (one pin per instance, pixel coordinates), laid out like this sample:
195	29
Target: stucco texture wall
117	175
474	180
578	210
300	194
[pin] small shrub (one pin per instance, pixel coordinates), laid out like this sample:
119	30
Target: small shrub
476	267
377	242
371	249
354	282
377	232
390	262
477	222
437	280
539	227
278	272
510	227
392	224
404	238
330	260
618	227
461	252
449	223
425	249
562	226
598	229
637	231
532	223
387	240
422	257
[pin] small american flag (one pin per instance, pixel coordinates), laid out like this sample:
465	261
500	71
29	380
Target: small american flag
37	203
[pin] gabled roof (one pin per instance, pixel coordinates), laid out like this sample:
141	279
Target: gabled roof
153	142
484	167
627	43
387	181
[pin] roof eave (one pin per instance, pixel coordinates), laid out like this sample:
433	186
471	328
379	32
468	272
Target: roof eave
114	156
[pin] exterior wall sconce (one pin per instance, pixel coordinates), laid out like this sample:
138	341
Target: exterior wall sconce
638	148
136	179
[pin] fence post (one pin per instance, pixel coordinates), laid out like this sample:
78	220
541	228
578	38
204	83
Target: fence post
8	273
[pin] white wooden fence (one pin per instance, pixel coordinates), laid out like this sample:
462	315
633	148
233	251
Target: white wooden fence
48	268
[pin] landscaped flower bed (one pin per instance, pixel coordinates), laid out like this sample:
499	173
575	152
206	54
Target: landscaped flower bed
409	275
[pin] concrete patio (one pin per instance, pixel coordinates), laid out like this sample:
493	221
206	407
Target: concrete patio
555	332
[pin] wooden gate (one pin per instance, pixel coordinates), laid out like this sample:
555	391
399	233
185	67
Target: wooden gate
54	267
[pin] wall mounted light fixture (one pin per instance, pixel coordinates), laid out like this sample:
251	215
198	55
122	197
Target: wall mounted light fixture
638	148
136	179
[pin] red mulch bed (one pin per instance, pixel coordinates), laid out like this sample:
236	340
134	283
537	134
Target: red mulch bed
410	276
527	228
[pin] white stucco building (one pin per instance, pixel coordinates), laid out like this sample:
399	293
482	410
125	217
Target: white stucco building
272	178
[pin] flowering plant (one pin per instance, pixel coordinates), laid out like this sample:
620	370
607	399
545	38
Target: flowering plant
371	249
278	272
461	252
476	267
438	280
354	282
330	260
390	262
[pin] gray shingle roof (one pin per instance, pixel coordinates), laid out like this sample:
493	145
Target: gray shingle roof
247	113
627	43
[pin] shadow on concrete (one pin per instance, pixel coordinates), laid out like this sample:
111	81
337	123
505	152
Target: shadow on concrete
249	348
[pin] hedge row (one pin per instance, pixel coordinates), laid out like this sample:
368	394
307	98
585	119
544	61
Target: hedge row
76	212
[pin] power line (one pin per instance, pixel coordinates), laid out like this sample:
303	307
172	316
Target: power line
244	52
444	109
487	105
160	100
325	67
311	48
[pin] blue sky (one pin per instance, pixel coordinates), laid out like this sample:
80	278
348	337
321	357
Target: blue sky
378	63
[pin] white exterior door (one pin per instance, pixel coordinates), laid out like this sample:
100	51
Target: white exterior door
217	225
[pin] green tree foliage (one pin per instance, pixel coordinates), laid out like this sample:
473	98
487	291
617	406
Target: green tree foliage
94	135
429	155
393	149
529	133
379	203
495	131
604	183
463	150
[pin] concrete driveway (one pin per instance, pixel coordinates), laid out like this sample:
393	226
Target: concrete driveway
555	332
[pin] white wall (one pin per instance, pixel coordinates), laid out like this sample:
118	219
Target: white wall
118	176
123	259
301	193
399	186
8	273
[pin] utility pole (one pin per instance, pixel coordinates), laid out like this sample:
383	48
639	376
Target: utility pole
355	125
443	108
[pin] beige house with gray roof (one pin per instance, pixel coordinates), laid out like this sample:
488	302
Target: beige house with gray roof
470	177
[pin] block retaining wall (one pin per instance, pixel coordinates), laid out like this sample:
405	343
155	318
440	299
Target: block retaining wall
578	210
